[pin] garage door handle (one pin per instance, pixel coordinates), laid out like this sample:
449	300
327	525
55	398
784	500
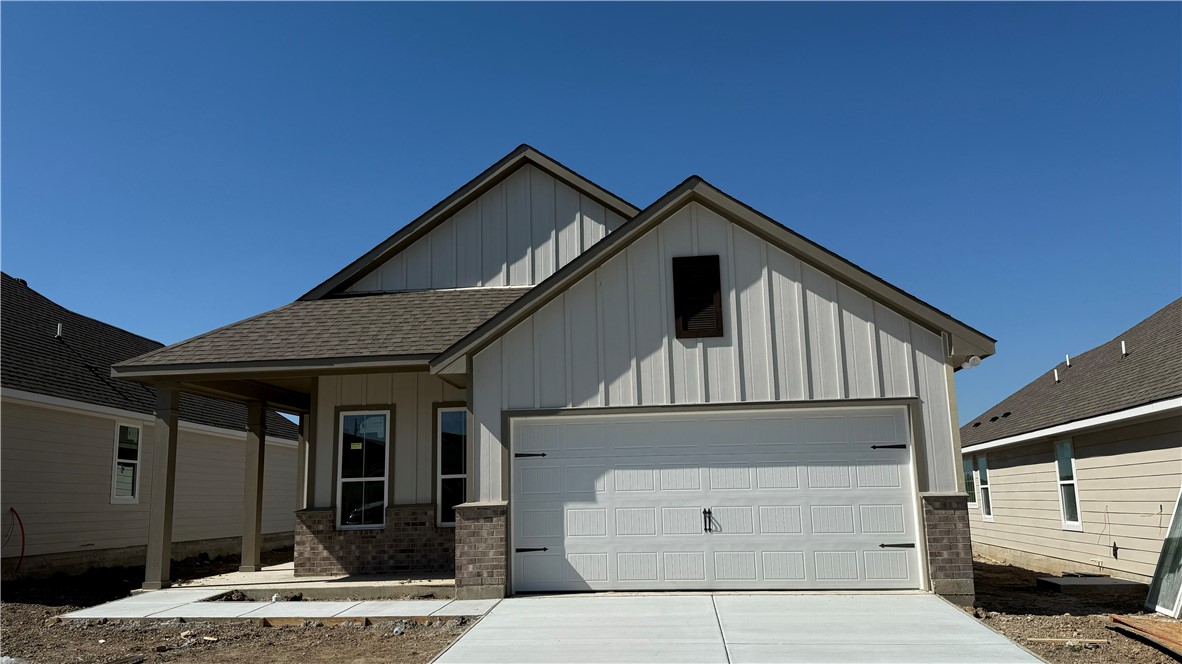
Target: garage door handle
522	455
909	545
706	518
531	549
888	447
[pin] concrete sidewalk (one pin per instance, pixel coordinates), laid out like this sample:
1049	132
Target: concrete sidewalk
191	604
732	628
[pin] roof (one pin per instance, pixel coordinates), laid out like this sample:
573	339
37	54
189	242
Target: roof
523	154
406	324
1098	382
78	365
965	340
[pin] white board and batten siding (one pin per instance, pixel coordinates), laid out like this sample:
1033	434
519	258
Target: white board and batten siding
57	473
792	332
516	234
410	471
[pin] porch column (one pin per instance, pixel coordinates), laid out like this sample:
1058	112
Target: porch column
156	567
302	464
252	488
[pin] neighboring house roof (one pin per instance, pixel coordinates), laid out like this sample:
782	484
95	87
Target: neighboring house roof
1098	382
77	366
494	174
407	324
965	340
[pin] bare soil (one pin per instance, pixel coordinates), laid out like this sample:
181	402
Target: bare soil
1009	601
30	631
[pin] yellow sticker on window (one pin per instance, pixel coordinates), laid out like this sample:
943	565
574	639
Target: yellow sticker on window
355	446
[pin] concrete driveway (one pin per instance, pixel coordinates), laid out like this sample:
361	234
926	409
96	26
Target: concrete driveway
731	628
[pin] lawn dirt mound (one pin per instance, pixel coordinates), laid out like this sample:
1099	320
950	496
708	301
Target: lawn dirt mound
1009	601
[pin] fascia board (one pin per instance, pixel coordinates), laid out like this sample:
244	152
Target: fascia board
1118	417
698	190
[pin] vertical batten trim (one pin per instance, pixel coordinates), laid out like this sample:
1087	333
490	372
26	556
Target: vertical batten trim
669	394
769	324
602	382
738	371
629	280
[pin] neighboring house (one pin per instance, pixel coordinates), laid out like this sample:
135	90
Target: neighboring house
77	450
1080	470
542	388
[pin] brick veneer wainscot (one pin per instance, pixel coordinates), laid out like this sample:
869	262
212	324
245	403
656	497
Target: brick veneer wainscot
950	550
481	550
409	542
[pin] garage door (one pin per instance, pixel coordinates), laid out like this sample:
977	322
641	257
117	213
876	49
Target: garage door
762	499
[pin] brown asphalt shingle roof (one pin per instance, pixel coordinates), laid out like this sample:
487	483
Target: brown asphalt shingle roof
377	325
1099	381
78	365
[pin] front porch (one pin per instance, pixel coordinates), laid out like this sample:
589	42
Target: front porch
399	524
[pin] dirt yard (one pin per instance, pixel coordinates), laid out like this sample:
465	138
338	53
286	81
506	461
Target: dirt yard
1009	602
30	632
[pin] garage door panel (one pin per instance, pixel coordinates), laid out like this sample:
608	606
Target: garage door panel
796	502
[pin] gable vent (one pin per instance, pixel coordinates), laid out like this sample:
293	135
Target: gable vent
697	297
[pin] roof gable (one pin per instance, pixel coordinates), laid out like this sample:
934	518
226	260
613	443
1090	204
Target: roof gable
1098	382
524	162
963	340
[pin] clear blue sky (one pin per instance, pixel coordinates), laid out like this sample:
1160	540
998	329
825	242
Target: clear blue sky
170	168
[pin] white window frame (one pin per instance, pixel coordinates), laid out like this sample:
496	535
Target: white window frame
340	439
984	489
439	476
972	476
1074	482
133	499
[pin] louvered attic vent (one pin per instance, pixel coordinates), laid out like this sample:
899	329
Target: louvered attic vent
697	297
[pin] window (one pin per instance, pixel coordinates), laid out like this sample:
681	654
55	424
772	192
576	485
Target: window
970	486
125	473
451	452
697	297
361	489
1068	497
983	484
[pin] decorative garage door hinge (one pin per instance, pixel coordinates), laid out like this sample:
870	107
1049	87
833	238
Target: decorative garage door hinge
909	545
531	549
522	455
888	447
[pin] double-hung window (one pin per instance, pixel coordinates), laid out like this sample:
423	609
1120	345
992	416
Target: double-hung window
451	453
970	484
362	454
125	471
1068	496
983	485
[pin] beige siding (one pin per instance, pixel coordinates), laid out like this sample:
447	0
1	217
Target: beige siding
1128	480
792	332
57	474
411	478
516	234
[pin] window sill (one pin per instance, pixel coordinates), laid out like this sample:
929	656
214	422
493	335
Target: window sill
377	527
973	506
125	501
1073	527
987	519
450	524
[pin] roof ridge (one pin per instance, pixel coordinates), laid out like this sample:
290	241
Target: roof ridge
21	283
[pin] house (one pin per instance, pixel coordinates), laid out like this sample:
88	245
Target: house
77	448
1080	470
538	387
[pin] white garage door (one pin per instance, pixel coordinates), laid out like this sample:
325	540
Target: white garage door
762	499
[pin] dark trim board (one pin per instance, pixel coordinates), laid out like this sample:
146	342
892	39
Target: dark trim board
697	190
